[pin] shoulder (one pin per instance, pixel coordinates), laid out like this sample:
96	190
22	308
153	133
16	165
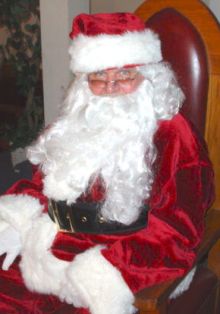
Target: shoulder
178	136
176	127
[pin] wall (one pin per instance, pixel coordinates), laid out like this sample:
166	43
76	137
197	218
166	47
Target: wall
215	7
98	6
56	18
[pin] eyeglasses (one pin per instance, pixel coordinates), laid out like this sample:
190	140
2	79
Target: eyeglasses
122	78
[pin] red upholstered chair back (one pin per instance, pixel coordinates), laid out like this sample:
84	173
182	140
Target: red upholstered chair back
183	48
190	38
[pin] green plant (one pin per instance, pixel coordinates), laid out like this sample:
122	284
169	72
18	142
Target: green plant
22	50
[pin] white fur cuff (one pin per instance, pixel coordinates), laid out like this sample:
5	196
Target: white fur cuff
41	270
100	285
89	281
19	210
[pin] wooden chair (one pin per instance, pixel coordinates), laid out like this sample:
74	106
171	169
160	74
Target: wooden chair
190	38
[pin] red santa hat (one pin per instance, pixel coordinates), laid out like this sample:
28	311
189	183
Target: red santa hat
102	41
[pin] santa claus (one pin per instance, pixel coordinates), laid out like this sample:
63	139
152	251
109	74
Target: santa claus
121	187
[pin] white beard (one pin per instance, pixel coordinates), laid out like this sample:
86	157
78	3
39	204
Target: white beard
107	136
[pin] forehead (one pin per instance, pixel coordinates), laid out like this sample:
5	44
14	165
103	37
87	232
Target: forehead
115	71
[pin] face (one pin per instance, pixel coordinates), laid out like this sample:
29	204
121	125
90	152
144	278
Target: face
114	82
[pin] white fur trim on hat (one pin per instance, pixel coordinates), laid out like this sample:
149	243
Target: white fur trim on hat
95	53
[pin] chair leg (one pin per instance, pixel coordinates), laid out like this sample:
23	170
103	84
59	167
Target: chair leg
151	312
214	265
217	300
159	310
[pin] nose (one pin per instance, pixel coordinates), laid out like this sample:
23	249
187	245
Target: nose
111	87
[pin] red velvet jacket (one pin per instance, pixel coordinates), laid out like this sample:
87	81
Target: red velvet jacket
165	249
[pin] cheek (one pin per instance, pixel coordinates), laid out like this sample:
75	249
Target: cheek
133	87
95	90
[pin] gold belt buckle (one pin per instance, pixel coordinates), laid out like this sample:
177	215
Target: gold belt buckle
57	219
70	222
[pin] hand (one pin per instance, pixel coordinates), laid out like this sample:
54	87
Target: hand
10	243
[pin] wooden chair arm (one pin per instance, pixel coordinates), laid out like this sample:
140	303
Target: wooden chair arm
212	233
153	300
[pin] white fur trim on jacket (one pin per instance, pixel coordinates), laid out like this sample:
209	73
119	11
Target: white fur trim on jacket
101	285
88	281
19	210
184	284
95	53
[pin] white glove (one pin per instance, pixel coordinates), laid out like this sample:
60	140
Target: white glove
10	243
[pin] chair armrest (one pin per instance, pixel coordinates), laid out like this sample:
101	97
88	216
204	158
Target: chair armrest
212	233
153	300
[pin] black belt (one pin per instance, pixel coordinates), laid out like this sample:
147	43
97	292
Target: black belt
85	217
